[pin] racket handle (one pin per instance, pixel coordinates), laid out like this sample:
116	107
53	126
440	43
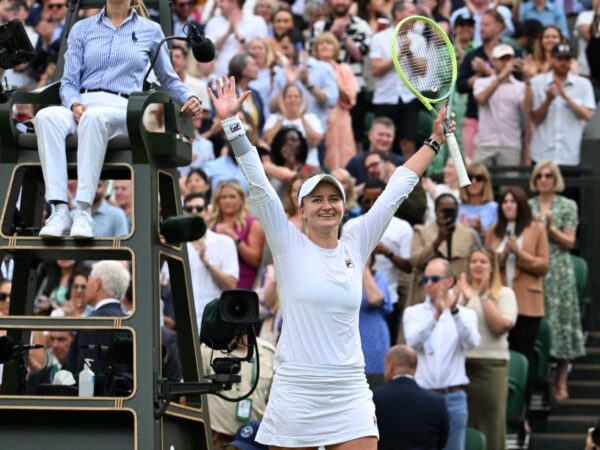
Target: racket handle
461	171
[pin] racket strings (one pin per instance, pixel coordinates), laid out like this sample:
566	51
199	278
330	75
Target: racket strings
425	59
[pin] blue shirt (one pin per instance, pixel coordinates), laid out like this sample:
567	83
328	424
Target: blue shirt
551	14
320	74
100	56
224	168
110	221
488	212
374	331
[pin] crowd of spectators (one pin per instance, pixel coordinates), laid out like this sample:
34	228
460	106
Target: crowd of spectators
325	97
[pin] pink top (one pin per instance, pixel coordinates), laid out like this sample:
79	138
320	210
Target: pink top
500	116
247	272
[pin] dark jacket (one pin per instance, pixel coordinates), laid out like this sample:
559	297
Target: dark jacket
102	351
410	417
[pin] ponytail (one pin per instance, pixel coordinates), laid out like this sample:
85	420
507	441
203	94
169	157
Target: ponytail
140	8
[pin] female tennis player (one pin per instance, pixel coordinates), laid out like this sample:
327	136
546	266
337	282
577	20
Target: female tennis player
319	394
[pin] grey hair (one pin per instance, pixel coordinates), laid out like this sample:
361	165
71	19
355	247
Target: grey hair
114	276
398	6
237	65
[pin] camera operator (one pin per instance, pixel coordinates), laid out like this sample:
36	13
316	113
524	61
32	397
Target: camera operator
445	238
226	417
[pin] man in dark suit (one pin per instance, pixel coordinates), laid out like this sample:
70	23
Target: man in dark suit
60	343
408	416
107	285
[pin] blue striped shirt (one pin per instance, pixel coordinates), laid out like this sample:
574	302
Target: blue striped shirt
100	56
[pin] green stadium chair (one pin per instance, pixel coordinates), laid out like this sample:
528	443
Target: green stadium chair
580	267
518	368
543	342
475	440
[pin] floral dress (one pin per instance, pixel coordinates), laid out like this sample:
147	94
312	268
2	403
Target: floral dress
560	289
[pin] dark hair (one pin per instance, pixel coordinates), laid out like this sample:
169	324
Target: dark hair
278	141
523	211
198	171
363	10
374	183
294	35
83	271
440	197
383	155
530	29
282	10
192	195
53	275
202	174
181	48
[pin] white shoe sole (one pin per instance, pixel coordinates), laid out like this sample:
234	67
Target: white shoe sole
53	236
81	236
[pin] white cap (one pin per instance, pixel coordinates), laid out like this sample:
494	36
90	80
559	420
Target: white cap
501	50
310	184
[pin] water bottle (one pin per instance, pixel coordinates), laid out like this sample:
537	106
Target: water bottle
86	379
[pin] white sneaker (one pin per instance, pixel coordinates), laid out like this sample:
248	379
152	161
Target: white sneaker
57	225
83	226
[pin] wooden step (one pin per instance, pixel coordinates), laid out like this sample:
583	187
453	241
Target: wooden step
584	388
589	372
592	355
577	406
558	441
570	424
593	339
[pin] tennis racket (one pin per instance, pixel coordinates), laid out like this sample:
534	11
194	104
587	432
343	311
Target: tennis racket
424	58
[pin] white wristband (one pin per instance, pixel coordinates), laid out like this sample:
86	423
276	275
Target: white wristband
233	127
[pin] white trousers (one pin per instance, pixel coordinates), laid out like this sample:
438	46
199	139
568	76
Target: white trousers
104	120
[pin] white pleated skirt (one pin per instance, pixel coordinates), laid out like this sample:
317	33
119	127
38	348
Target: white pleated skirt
314	406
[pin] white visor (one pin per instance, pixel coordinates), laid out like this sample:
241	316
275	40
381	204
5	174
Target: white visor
310	184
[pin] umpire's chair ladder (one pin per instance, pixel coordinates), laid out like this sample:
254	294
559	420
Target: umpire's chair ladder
139	420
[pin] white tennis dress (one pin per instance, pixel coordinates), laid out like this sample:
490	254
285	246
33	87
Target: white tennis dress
319	395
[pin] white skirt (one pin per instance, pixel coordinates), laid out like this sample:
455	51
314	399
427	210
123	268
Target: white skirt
314	406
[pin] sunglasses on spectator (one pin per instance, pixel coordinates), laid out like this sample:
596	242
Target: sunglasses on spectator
191	208
56	5
434	278
79	287
478	178
547	176
4	296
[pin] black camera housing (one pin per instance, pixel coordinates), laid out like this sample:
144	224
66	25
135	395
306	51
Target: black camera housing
226	318
449	213
239	306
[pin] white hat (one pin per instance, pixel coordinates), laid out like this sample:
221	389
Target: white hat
310	184
501	50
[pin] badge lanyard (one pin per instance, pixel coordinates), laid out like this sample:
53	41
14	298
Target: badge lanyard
243	409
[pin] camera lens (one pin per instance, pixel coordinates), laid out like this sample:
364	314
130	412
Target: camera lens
237	308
